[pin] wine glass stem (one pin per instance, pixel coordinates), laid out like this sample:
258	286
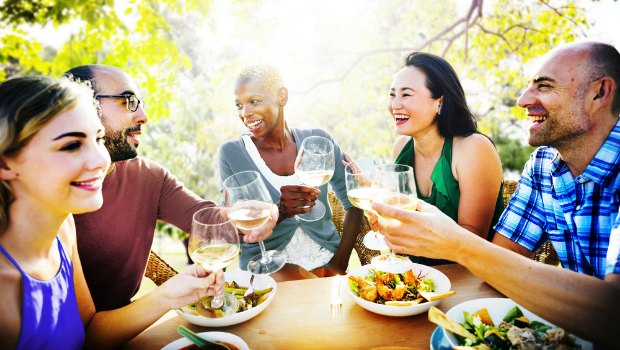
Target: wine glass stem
218	300
265	258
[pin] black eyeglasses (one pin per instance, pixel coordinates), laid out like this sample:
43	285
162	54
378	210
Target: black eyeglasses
131	101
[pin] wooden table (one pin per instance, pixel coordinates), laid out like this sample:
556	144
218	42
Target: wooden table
299	318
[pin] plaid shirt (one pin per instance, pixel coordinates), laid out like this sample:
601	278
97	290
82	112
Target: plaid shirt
576	214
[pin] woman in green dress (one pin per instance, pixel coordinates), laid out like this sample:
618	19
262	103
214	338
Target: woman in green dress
456	168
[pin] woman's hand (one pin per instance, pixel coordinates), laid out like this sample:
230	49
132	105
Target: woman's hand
427	231
296	199
191	284
346	159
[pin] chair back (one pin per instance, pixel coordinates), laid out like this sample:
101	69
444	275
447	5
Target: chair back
157	270
508	188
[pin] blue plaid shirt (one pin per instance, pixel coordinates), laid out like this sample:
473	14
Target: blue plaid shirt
576	214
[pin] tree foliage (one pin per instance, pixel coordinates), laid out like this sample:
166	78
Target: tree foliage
184	56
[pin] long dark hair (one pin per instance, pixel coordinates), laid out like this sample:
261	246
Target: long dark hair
455	119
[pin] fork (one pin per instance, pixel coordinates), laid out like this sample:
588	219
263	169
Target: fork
250	288
336	302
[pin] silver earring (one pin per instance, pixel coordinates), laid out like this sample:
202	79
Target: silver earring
439	110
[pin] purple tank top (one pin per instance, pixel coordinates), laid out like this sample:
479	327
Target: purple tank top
50	315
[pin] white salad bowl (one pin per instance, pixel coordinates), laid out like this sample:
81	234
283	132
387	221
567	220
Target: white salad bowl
497	308
442	284
243	279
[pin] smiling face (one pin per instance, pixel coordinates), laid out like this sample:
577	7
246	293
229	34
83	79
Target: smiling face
555	99
259	107
122	126
411	103
63	165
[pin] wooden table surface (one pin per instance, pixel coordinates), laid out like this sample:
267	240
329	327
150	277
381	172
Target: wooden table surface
299	317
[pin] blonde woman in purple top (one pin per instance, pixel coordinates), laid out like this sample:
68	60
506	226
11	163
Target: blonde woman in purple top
52	164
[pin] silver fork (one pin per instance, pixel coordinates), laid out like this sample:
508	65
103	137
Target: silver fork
250	288
336	300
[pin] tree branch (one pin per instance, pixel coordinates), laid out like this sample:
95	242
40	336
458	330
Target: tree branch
544	2
474	13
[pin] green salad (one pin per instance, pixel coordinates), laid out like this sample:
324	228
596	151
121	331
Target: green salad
514	332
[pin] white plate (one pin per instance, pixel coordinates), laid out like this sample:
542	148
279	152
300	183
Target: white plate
498	308
243	279
213	336
442	284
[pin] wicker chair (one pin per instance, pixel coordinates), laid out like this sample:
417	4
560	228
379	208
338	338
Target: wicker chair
364	254
546	254
158	270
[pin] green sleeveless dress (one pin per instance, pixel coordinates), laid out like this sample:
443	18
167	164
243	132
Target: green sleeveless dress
445	193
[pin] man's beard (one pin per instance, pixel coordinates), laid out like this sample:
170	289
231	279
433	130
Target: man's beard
118	146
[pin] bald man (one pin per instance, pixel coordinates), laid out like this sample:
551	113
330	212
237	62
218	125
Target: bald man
569	193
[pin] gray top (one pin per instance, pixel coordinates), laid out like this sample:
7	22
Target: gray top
234	158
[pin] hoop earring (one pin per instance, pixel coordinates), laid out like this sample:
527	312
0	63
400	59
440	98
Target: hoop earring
439	110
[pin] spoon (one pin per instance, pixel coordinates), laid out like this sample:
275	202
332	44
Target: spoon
200	342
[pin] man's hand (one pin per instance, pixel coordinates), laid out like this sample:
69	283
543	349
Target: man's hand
258	234
296	199
264	231
427	231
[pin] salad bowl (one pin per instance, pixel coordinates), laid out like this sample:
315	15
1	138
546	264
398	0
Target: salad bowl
441	281
242	278
497	308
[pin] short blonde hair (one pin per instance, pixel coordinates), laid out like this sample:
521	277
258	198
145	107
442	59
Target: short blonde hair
264	74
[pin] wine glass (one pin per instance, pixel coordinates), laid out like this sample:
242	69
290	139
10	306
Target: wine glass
395	186
314	166
214	244
359	176
250	203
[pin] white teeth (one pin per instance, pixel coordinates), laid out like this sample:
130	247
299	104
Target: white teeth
251	124
87	183
401	117
538	118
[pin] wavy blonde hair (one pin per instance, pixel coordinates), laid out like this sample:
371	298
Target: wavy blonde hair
27	104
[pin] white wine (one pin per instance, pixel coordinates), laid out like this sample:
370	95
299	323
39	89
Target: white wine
248	215
216	256
314	177
399	200
360	197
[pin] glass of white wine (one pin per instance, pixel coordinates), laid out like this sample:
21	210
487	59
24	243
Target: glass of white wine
214	244
314	166
397	188
250	208
359	176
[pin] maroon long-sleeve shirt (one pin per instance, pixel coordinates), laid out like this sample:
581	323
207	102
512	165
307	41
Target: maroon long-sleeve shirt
114	242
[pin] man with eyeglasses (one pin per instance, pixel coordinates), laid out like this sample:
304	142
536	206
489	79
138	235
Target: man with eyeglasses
114	242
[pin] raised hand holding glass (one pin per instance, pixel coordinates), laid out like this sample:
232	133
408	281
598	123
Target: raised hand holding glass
314	166
395	186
